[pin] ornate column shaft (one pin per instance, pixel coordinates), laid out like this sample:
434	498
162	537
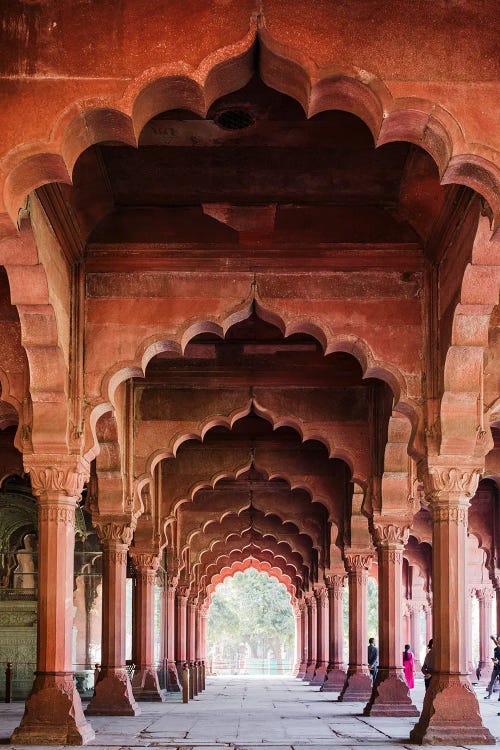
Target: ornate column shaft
203	633
321	595
450	713
145	684
53	714
336	672
312	637
358	683
304	640
191	628
415	636
113	693
172	674
471	595
390	695
485	595
298	641
180	628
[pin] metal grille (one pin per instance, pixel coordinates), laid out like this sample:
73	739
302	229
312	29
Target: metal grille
235	119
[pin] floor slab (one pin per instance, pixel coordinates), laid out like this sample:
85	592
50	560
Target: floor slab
247	713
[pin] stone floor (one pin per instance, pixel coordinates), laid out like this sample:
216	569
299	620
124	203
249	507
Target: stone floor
249	712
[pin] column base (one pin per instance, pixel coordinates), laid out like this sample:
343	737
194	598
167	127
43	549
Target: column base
334	680
309	672
319	675
450	715
173	685
113	695
302	671
53	714
484	671
390	696
145	685
357	687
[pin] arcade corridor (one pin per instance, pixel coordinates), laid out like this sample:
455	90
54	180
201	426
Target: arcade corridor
249	712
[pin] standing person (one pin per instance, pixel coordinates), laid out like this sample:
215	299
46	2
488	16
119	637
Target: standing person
495	674
428	665
372	658
409	666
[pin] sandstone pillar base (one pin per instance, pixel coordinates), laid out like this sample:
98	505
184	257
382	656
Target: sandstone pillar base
357	687
302	670
450	715
173	685
319	675
113	695
145	686
309	672
390	696
484	671
334	680
53	714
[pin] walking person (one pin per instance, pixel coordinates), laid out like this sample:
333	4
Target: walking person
428	665
372	659
495	674
409	666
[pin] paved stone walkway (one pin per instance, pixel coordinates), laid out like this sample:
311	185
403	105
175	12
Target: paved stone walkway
249	712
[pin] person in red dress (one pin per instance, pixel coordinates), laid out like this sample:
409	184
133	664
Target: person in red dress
409	666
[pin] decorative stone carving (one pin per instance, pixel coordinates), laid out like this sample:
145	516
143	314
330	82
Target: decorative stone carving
391	534
115	529
441	481
357	561
65	478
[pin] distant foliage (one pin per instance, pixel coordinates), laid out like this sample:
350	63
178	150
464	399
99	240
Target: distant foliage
251	610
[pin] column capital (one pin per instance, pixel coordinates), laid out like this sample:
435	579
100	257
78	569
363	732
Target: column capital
115	529
358	560
391	535
310	600
336	582
146	563
53	476
485	593
441	482
321	596
182	592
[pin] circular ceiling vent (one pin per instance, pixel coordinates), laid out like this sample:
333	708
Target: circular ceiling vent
234	119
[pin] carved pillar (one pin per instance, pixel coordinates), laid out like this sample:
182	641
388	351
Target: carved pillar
191	628
172	675
485	595
113	693
304	640
312	637
390	695
145	684
415	634
321	595
336	673
428	623
180	628
53	713
358	683
471	595
203	632
298	641
450	713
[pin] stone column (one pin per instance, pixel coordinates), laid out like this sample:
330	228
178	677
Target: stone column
312	637
180	628
358	683
145	684
53	713
203	634
172	675
485	595
304	639
336	673
321	595
298	641
428	623
415	638
390	695
113	693
450	714
471	669
191	628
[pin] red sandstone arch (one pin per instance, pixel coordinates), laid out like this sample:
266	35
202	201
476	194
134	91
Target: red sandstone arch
213	564
240	566
179	86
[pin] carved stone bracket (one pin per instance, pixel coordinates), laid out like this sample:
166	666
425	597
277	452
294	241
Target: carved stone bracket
115	529
321	595
357	560
335	583
392	535
442	481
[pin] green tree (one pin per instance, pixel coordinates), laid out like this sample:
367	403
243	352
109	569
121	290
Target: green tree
254	609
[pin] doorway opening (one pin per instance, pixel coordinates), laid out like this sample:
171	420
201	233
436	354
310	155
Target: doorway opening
251	626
